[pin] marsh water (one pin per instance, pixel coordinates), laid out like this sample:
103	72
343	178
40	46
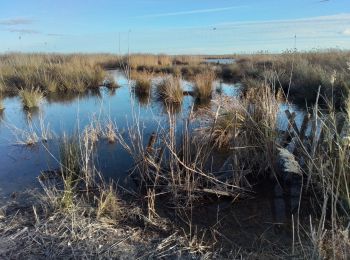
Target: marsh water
20	165
221	61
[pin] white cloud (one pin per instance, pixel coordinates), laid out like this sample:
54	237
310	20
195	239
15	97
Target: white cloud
16	21
24	31
346	32
196	11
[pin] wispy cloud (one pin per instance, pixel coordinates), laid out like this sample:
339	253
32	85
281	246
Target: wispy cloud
190	12
16	21
329	18
274	35
55	34
24	31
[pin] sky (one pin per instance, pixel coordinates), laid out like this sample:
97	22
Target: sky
173	27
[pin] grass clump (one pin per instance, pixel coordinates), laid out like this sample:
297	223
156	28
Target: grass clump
203	84
109	207
227	127
170	90
31	98
70	157
109	132
143	82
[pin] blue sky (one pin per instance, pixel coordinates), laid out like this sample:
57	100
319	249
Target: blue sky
174	27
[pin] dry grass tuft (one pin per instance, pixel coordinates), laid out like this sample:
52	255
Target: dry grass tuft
143	82
203	84
109	207
110	132
31	98
170	90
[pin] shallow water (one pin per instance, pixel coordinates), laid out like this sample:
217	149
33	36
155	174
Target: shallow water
20	165
221	61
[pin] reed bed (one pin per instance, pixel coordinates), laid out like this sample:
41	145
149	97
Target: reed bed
50	73
187	60
301	73
137	61
147	60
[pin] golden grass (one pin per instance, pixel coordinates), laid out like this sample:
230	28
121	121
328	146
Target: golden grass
147	60
203	84
31	98
301	73
50	72
110	132
109	207
170	90
143	82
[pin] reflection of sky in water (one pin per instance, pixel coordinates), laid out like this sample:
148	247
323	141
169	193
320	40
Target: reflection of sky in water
221	61
282	120
19	166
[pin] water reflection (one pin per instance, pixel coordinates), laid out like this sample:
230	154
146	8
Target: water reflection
171	108
64	98
30	114
200	104
143	98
